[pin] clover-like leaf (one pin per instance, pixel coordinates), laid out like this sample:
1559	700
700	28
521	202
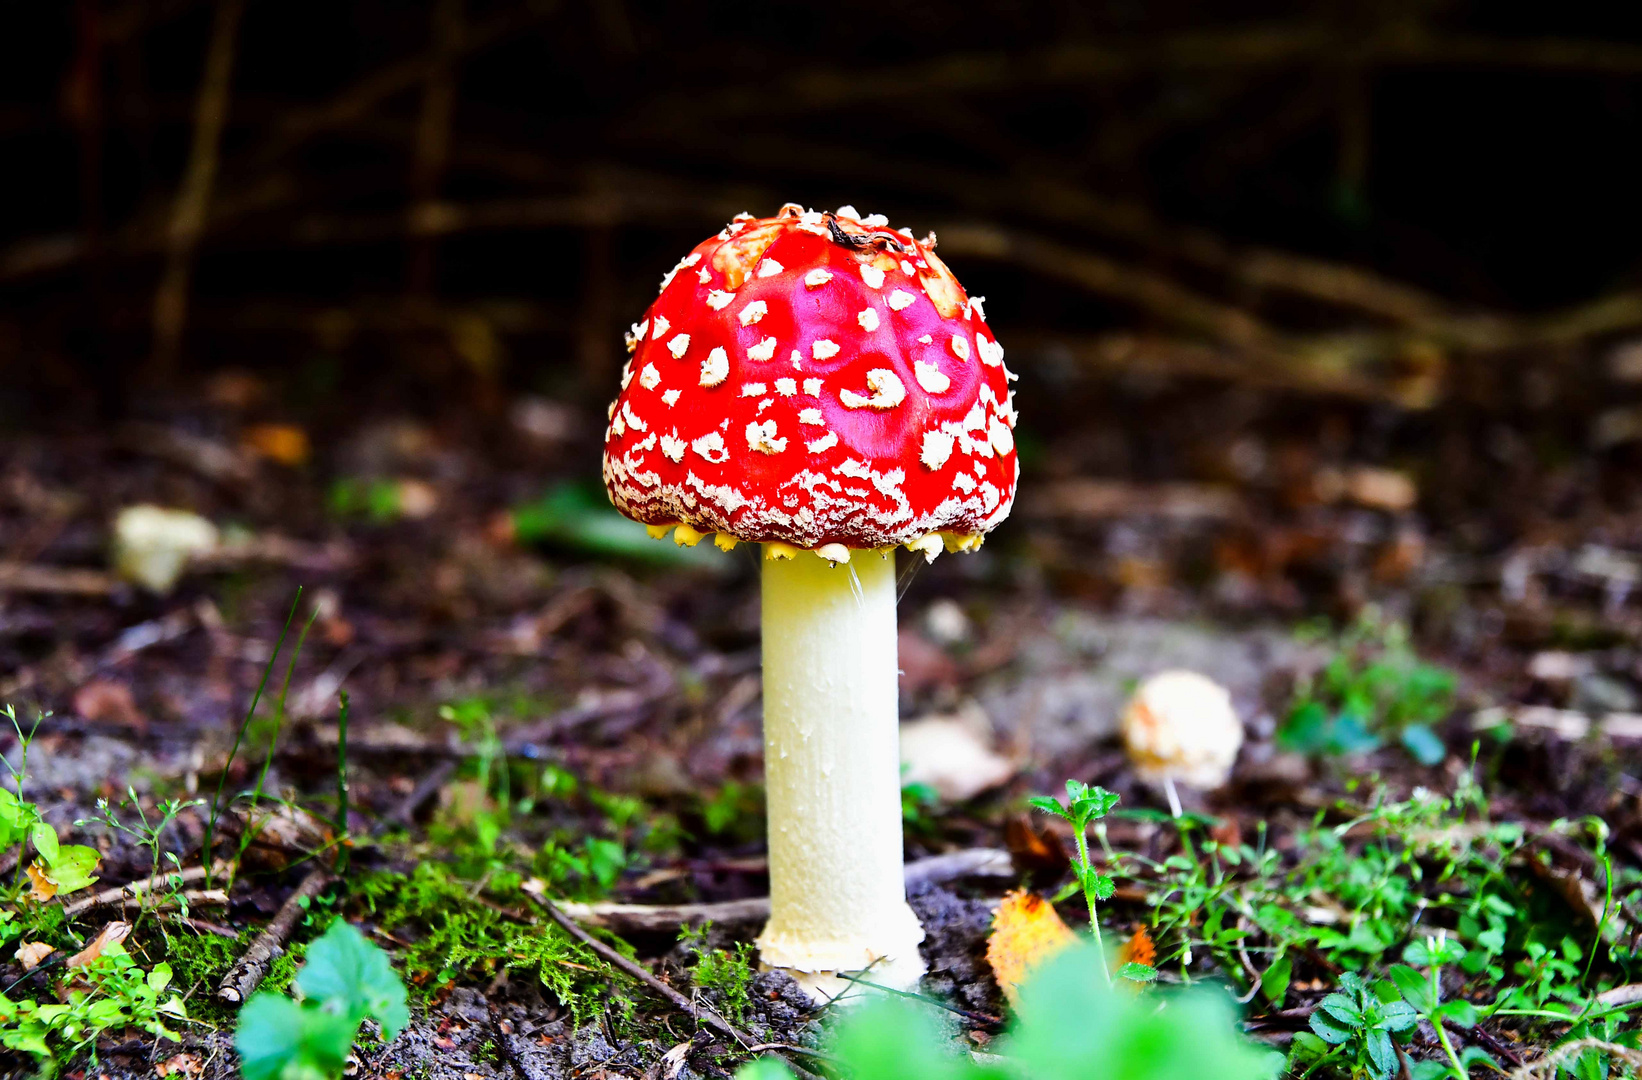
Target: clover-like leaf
278	1039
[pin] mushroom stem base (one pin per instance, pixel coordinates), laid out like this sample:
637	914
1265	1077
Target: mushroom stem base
833	776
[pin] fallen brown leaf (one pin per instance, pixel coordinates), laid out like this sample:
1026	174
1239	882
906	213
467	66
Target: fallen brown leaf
111	934
180	1065
103	702
30	953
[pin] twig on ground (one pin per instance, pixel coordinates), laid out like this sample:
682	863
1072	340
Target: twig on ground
1486	1040
628	967
1547	1065
194	898
629	918
135	890
203	926
405	813
248	970
54	580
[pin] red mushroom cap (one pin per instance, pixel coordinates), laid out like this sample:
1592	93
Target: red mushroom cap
814	379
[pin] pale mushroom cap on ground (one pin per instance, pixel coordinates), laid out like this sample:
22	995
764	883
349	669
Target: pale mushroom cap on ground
152	544
1181	726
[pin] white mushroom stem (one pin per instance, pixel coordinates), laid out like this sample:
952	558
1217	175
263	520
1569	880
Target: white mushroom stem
832	772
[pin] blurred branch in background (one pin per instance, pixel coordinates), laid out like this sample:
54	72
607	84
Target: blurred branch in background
194	197
1061	156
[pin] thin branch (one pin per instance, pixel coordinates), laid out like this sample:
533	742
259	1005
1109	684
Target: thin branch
249	970
646	918
628	967
194	197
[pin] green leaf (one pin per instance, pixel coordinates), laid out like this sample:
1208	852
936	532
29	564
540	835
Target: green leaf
1398	1016
45	841
348	973
278	1039
1140	973
1459	1013
1102	886
1048	805
1342	1008
159	978
1274	984
1380	1051
71	868
1073	1027
1423	744
893	1040
579	516
1415	986
1434	952
1327	1030
1475	1055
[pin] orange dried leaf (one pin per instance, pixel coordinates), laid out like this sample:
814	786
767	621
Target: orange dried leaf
1138	950
282	443
1026	931
40	886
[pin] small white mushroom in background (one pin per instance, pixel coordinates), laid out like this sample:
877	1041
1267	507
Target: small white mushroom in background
946	623
152	545
1180	727
953	754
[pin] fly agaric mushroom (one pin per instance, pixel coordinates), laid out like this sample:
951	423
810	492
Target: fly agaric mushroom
1180	726
820	384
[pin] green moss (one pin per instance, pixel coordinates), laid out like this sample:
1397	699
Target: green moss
452	935
198	962
726	972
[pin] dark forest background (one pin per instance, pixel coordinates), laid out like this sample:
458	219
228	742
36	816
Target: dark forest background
434	205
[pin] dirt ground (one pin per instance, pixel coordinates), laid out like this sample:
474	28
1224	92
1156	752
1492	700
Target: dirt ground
1231	519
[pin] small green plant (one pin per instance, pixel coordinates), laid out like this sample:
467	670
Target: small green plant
1070	1026
150	834
1086	804
726	972
1356	1024
354	498
108	994
209	847
590	868
1424	994
735	810
346	981
1373	689
17	815
918	802
60	868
